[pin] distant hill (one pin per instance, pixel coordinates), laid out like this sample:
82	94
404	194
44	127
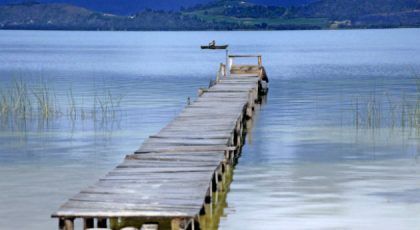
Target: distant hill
57	16
219	15
127	7
121	7
349	9
253	15
365	13
38	16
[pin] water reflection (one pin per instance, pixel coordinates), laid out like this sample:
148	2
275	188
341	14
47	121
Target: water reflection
309	166
315	160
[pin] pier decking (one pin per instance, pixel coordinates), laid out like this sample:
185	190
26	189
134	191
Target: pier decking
177	171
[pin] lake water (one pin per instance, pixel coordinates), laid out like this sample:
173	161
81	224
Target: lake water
335	146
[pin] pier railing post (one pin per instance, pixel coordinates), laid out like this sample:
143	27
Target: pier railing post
69	224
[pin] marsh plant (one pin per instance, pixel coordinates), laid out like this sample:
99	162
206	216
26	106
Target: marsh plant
21	102
46	106
103	106
16	101
387	111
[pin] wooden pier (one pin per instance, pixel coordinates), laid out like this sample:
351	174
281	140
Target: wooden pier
168	182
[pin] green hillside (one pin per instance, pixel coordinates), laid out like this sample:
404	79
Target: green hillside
248	14
220	15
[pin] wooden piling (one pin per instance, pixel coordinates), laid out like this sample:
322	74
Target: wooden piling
69	224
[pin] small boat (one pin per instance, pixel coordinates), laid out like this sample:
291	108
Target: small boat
215	47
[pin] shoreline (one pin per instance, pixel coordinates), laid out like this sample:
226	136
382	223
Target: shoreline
204	30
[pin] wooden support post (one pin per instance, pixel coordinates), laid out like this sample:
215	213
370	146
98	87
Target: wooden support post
235	138
216	175
102	223
88	223
216	186
214	183
227	155
221	178
69	224
228	167
248	111
192	224
232	157
202	211
209	194
178	224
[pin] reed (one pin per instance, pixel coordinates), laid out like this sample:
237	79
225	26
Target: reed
23	101
45	101
103	107
15	101
71	110
417	109
374	112
109	105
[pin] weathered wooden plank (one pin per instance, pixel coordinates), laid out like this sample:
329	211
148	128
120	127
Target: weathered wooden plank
214	156
147	191
87	205
147	170
135	164
186	141
150	201
98	212
150	149
156	176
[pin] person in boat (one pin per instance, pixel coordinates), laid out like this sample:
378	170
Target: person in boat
212	43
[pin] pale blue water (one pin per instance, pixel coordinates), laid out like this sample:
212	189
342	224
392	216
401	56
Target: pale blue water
306	165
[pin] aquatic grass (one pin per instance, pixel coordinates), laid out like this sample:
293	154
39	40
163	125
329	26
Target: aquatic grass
71	110
372	112
39	103
109	105
15	101
392	109
22	103
104	106
45	101
4	104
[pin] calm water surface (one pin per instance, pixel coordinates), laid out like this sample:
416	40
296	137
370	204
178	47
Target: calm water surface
311	161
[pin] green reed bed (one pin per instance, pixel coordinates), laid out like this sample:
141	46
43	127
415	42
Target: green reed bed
103	106
23	102
16	101
45	98
376	111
